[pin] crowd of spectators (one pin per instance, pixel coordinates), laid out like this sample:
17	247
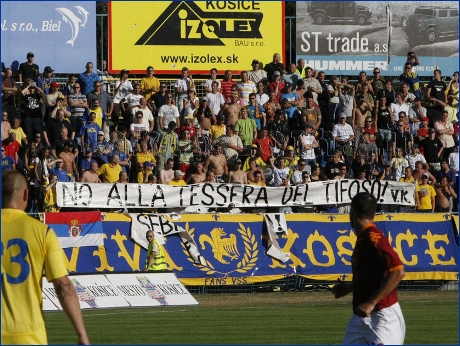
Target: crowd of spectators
271	127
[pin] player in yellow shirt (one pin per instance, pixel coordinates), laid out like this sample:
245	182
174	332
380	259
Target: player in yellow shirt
28	247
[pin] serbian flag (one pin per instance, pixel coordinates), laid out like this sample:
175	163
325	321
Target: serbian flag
76	229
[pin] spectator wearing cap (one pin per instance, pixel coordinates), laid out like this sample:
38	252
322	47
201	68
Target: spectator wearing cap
28	69
246	87
290	155
432	151
182	86
256	75
54	99
189	125
289	101
426	195
342	132
237	176
276	85
274	66
291	76
207	84
88	78
103	148
416	113
414	155
44	82
178	178
143	174
123	86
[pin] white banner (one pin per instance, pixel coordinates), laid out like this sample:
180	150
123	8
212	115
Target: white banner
151	289
122	290
276	223
93	291
330	192
141	223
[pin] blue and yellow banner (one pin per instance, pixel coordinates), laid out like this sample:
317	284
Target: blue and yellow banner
234	247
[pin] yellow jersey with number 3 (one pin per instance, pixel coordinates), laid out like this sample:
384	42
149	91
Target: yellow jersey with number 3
28	247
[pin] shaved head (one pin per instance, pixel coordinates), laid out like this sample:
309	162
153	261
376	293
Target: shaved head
13	186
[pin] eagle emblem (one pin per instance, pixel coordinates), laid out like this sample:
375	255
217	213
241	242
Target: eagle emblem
221	246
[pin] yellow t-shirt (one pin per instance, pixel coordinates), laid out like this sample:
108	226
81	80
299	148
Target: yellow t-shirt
425	202
144	157
216	131
28	247
20	135
149	83
110	174
177	183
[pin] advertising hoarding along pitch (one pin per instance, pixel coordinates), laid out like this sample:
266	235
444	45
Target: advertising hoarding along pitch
200	35
346	37
61	34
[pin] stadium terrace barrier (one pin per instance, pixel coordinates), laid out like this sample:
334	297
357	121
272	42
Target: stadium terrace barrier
234	247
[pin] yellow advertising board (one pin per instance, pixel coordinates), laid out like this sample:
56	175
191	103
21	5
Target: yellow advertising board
200	35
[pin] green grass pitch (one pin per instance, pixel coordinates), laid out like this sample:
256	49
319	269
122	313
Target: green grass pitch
258	318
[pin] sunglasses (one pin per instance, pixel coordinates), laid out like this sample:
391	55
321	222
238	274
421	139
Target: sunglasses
162	86
169	97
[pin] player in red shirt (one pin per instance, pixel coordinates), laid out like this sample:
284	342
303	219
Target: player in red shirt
377	271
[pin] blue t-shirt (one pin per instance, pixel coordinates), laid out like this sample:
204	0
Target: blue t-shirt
62	175
292	111
7	163
252	115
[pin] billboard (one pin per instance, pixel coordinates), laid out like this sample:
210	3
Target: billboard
61	34
197	34
349	37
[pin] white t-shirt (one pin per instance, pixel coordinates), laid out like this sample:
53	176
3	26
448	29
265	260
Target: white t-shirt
279	174
148	116
215	101
133	100
169	113
123	92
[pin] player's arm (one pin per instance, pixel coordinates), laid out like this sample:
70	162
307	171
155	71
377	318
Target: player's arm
69	302
390	282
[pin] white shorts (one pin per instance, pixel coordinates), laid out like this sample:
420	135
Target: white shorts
385	327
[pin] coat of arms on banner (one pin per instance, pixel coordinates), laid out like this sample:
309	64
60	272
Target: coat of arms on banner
75	229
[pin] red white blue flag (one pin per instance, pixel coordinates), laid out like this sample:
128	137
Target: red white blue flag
76	229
